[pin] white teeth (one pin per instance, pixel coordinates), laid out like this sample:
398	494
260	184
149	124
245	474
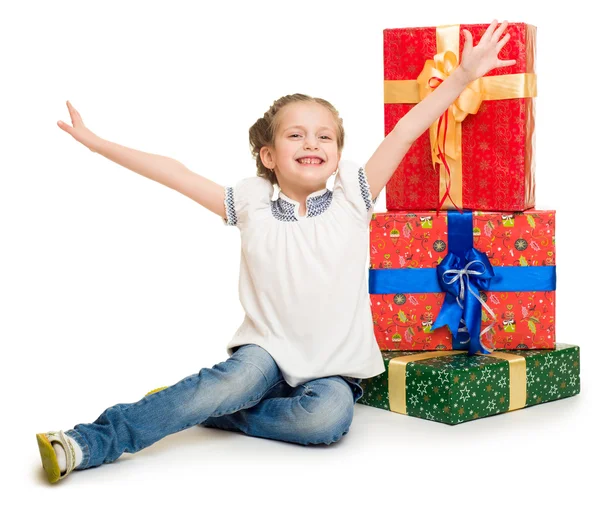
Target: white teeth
310	161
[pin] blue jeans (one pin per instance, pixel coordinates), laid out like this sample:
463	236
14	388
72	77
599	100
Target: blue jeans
245	393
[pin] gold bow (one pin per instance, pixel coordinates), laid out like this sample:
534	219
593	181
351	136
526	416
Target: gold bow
438	70
446	134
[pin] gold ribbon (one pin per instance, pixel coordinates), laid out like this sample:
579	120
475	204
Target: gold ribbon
517	372
517	376
446	134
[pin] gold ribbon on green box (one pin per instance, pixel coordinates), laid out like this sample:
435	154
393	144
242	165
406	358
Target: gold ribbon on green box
446	133
397	377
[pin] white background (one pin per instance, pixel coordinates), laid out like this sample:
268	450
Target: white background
113	284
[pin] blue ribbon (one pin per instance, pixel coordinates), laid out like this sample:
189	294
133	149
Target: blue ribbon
462	278
465	272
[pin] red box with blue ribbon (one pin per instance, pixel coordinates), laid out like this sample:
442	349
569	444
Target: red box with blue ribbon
469	280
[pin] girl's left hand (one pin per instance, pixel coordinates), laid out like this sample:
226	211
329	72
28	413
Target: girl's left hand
476	62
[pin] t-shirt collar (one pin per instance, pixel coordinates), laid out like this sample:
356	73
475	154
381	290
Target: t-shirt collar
296	204
315	194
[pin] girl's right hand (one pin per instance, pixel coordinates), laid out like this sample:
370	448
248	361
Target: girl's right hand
79	131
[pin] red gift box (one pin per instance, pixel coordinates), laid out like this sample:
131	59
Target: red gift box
419	240
490	154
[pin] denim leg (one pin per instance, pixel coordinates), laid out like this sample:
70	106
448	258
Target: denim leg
239	382
317	412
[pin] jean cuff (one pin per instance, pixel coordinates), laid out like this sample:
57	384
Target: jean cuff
85	449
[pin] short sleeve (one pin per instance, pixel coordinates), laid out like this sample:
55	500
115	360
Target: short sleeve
244	199
351	180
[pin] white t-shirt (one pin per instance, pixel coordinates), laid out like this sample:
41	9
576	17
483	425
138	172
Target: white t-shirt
303	279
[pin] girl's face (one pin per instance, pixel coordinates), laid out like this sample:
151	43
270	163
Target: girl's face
305	129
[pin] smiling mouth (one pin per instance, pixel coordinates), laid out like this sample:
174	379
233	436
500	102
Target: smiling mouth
310	162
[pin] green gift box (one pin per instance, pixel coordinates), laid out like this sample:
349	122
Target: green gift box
453	387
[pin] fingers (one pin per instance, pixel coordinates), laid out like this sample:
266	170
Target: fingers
75	116
468	41
75	120
499	31
488	32
71	112
64	126
502	64
501	44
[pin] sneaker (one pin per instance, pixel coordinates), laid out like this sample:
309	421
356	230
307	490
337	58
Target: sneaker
48	455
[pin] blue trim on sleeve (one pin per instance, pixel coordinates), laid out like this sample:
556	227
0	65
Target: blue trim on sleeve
229	207
365	190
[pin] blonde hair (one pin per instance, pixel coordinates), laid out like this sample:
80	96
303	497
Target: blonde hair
262	133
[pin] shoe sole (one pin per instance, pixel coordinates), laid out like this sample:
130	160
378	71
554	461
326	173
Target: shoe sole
155	390
49	460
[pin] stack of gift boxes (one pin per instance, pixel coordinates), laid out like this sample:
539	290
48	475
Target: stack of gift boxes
462	274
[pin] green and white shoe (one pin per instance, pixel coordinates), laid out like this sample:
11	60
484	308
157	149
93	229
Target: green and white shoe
48	455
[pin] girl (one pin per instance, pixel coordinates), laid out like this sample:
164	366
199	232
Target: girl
296	362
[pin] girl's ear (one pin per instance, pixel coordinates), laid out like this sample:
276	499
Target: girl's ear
266	157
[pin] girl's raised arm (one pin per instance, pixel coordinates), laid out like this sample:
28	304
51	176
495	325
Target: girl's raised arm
164	170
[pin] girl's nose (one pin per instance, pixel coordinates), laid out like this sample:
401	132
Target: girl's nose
310	143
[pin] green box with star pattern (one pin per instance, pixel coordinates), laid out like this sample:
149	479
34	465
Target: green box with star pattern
456	387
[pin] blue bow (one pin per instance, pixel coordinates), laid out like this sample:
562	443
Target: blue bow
462	279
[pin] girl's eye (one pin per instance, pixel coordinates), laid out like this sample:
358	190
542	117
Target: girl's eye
325	136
